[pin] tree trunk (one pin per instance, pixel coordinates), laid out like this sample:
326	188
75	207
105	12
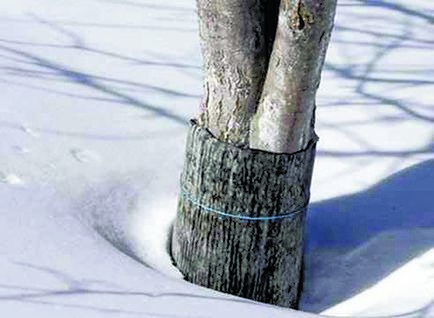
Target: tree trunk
235	230
284	120
249	159
236	39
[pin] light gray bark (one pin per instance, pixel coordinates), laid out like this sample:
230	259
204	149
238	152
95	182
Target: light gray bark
236	39
283	122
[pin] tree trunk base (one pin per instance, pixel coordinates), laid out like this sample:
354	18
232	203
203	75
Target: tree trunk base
240	221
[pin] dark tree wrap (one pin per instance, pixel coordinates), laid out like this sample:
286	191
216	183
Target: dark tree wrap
239	226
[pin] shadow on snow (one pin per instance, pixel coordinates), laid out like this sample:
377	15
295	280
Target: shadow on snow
357	240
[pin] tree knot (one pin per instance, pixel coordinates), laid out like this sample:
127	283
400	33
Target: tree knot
301	17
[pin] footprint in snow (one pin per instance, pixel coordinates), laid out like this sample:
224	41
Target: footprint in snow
29	131
21	150
10	178
83	155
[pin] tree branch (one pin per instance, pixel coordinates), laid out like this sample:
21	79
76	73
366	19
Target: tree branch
284	120
235	39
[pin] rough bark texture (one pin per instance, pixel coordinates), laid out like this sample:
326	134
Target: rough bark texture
236	39
283	122
239	226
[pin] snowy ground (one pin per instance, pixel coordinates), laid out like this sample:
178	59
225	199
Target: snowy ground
95	96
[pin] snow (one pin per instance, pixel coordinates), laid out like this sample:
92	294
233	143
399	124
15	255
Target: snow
411	276
95	99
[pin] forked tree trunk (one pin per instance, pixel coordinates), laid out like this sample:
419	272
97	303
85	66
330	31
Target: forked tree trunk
284	121
246	180
236	37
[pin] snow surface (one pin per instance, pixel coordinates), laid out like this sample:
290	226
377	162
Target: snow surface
95	98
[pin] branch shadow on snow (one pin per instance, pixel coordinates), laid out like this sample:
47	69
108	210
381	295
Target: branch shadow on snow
23	62
374	81
396	7
357	240
85	289
93	82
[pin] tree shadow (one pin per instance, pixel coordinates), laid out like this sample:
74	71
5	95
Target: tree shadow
24	63
149	5
355	241
395	7
84	288
94	82
383	40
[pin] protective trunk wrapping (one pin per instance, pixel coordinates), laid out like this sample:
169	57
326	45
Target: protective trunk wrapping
240	221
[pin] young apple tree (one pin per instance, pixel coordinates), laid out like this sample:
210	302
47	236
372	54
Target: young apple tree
245	185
